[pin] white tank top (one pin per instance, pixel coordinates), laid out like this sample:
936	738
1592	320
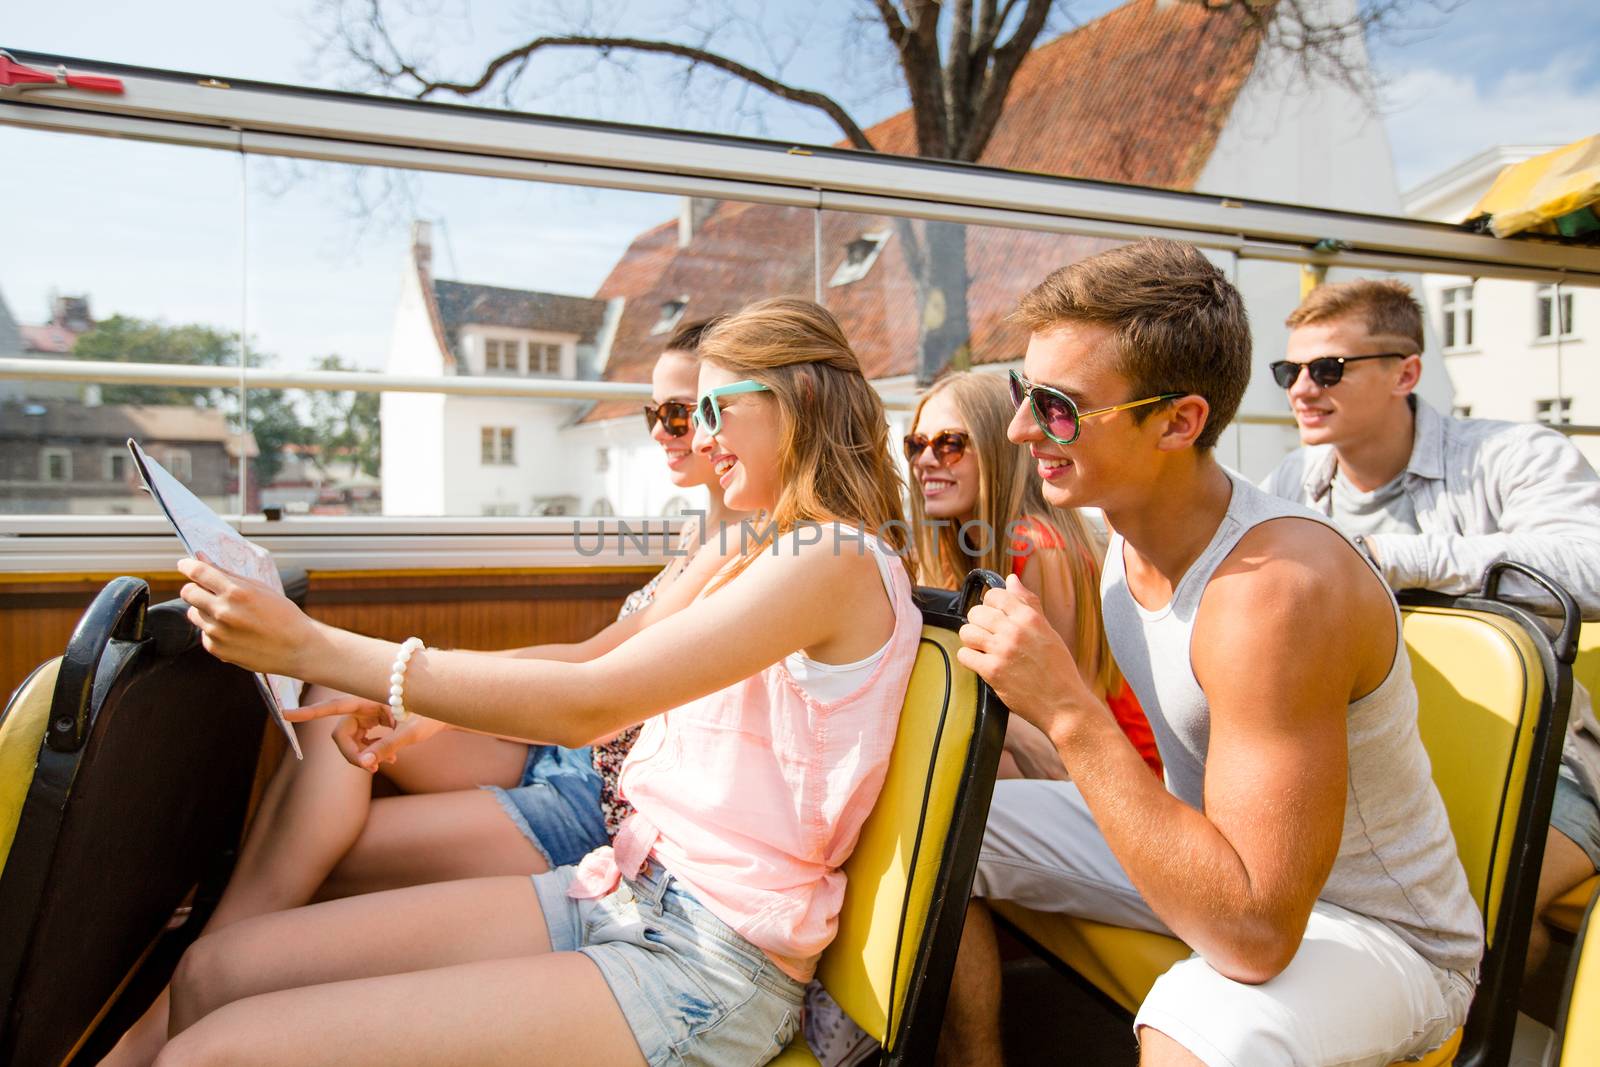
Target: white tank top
828	682
1397	859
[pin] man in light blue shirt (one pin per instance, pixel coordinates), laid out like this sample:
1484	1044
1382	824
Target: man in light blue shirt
1434	500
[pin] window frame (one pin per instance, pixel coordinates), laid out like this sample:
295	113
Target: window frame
846	272
1557	299
497	446
1454	308
110	460
46	454
1553	411
179	463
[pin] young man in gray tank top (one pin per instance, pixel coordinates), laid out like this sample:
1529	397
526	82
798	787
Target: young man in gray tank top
1435	499
1298	844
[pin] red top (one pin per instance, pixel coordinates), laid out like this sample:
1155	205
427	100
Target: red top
1124	705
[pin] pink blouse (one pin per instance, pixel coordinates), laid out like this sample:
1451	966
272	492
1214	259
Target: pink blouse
754	796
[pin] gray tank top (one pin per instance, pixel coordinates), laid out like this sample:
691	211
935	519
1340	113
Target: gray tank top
1397	860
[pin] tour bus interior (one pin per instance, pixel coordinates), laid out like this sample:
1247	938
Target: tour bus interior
480	476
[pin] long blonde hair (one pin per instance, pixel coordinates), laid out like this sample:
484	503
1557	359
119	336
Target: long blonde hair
1009	491
834	436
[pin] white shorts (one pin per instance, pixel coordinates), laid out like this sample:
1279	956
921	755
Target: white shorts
1355	992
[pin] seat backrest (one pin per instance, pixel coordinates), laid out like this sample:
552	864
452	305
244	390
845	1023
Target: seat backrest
1586	668
911	871
1494	691
1578	1028
135	802
1480	685
21	733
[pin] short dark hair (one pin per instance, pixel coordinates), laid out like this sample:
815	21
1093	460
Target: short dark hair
1386	307
1180	325
687	338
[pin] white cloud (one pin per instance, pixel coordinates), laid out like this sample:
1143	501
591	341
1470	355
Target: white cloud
1436	118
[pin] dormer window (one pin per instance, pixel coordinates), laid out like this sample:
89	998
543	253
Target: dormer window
502	356
671	312
859	256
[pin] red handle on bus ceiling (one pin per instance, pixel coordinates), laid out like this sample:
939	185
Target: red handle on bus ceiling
13	73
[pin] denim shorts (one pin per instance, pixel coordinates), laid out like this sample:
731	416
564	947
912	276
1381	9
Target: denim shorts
694	992
557	804
1576	815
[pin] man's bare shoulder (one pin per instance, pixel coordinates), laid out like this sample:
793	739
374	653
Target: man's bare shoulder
1292	574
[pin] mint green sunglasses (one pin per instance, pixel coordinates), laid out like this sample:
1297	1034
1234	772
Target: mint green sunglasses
708	413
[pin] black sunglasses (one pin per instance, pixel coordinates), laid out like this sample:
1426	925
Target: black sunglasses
672	414
1324	370
948	445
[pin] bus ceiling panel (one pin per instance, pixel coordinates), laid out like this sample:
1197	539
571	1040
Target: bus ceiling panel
253	108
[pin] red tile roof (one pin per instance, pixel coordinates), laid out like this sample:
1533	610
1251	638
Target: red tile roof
1138	95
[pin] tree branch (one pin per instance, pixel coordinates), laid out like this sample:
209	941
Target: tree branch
991	98
423	86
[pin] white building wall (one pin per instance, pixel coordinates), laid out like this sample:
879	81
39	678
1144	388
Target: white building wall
412	464
1319	145
1508	369
636	481
546	464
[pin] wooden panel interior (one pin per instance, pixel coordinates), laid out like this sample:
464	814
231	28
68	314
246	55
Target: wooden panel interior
449	609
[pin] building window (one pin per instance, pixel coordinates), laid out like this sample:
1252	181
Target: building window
1456	302
500	509
671	312
544	359
1557	412
55	465
1549	301
859	256
116	464
502	356
1462	411
602	460
179	464
498	444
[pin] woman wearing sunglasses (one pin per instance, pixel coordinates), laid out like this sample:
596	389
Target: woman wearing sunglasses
689	942
320	834
987	510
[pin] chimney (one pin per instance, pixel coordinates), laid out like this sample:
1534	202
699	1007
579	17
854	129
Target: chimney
422	245
71	313
692	215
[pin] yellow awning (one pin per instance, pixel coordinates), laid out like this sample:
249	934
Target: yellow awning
1534	194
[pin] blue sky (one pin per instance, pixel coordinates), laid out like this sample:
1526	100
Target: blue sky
165	224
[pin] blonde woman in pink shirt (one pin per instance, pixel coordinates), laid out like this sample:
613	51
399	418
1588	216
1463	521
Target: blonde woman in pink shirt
770	705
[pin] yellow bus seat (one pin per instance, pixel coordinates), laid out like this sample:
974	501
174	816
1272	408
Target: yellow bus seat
1578	1023
21	733
1487	678
1567	911
908	880
125	770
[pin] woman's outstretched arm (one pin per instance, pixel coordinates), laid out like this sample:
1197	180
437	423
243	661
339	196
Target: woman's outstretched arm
803	597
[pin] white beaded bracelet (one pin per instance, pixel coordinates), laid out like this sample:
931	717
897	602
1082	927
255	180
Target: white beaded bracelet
397	679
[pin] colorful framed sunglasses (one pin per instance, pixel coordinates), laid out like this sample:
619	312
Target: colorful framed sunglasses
948	445
708	413
1056	413
673	415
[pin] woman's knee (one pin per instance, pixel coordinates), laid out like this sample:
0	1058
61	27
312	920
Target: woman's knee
204	979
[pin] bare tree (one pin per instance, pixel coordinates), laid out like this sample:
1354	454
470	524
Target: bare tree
957	60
